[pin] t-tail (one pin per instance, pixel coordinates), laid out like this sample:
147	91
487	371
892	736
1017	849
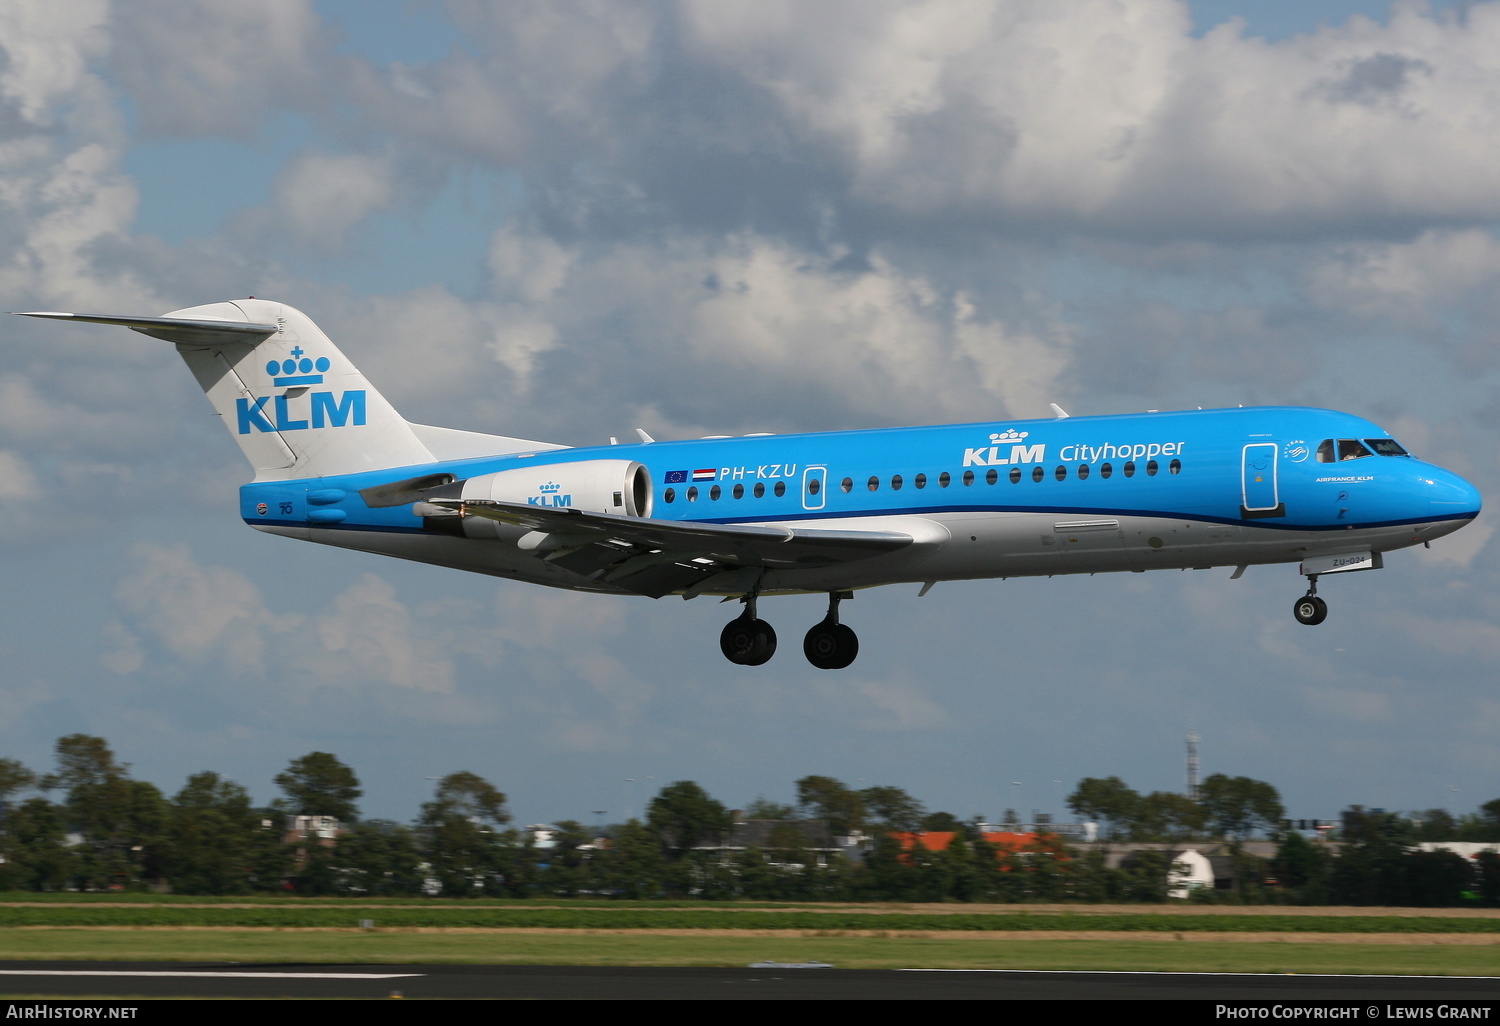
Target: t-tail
297	407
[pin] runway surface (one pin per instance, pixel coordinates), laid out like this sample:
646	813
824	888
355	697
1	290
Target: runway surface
155	979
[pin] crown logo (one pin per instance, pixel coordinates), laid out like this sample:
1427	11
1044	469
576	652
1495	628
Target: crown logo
1009	435
549	487
298	369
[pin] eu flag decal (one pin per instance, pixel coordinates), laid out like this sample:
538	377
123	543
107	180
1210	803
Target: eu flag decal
676	477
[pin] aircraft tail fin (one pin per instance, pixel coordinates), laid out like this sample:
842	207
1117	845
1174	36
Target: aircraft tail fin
296	406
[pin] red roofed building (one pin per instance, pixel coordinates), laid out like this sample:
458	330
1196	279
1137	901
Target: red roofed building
1003	843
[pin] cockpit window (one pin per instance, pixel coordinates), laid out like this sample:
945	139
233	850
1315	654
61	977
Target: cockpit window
1351	449
1386	447
1336	450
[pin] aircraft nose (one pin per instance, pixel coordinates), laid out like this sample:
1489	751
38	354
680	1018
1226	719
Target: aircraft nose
1451	497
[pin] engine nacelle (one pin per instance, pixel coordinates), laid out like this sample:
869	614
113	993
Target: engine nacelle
596	486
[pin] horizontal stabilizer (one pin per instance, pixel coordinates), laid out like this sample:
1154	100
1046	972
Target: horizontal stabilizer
189	331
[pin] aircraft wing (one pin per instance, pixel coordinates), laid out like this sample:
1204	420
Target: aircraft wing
658	557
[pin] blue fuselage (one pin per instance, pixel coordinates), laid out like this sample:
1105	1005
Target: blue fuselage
1080	494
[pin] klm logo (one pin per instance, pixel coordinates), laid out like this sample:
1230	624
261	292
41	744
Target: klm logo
315	410
551	496
1012	442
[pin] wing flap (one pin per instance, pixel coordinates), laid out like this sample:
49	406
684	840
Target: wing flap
658	557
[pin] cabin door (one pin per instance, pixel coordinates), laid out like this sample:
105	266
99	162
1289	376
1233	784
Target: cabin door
1258	488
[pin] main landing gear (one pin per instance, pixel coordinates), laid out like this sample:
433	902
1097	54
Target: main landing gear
746	640
829	645
1310	609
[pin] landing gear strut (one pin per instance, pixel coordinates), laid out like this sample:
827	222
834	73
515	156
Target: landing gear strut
1310	609
749	641
746	640
830	645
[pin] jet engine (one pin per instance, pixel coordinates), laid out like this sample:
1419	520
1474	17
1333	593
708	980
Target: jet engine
596	486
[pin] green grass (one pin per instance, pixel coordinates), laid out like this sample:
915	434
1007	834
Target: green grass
1126	954
624	916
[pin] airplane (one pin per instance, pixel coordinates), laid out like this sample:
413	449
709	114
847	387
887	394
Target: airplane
832	513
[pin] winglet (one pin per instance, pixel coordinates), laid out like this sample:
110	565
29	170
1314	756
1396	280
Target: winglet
1058	411
644	437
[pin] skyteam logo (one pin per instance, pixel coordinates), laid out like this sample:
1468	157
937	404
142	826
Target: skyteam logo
551	495
303	410
1010	441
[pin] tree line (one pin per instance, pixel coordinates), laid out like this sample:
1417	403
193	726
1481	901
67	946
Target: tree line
111	832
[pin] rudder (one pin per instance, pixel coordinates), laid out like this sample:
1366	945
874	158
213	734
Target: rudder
294	403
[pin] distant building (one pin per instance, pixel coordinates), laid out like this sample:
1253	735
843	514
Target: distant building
322	830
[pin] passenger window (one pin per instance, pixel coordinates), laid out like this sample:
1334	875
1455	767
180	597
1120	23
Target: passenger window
1061	473
669	495
1151	468
920	481
760	490
1083	471
992	477
968	478
873	484
1106	470
847	484
1128	469
895	482
814	486
1325	451
943	479
1351	449
1015	475
714	493
780	489
1037	473
1175	467
692	495
739	491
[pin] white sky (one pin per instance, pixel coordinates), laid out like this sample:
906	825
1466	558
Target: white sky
563	220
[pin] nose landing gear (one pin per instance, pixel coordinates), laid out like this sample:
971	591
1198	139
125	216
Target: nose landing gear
1310	609
830	645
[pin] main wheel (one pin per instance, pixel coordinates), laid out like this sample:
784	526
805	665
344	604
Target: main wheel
830	646
1311	610
747	642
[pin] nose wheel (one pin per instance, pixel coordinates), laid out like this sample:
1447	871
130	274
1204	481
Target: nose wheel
1310	609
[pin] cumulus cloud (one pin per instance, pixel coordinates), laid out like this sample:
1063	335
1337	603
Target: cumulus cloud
319	197
808	341
1404	280
1098	115
200	613
218	67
